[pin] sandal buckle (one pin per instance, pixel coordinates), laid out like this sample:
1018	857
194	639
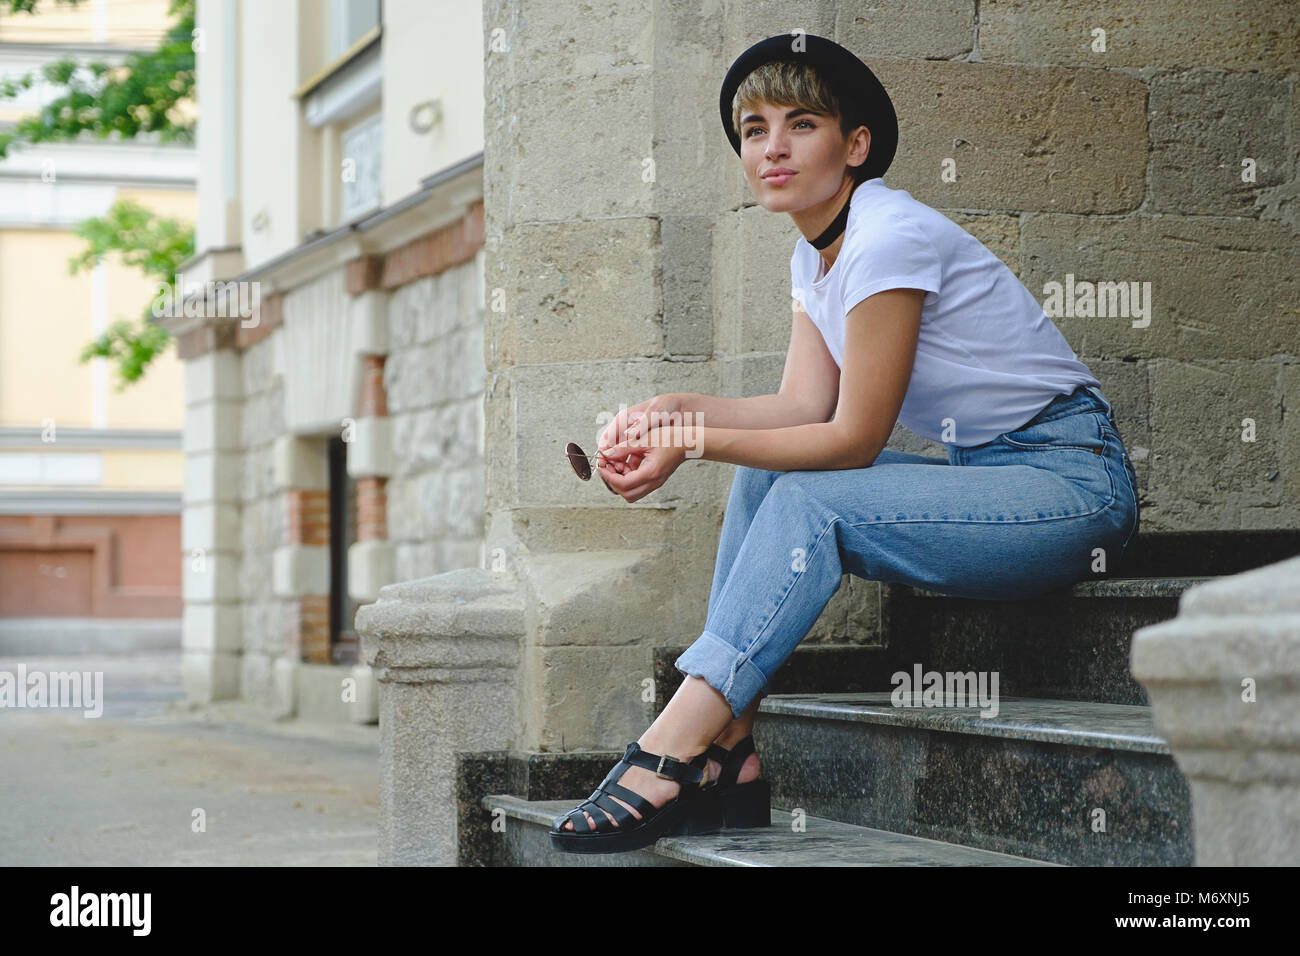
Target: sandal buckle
659	772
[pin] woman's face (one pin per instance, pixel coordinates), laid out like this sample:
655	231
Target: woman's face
808	144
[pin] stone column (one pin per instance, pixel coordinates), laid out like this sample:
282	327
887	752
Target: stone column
1224	682
445	650
211	638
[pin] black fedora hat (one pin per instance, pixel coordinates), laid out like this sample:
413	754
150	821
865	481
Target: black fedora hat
861	95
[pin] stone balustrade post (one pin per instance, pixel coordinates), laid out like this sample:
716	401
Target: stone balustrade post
1224	682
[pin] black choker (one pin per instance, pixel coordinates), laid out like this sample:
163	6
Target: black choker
835	228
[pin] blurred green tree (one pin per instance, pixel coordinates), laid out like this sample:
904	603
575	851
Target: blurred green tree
138	96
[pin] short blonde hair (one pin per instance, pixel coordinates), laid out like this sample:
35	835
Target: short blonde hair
793	83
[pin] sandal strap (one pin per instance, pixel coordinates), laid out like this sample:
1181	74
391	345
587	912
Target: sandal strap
620	813
593	806
689	773
732	760
638	802
686	772
579	819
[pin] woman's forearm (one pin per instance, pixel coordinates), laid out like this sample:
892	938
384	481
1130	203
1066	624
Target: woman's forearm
758	411
816	446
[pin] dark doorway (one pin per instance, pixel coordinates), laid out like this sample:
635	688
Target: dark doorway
344	645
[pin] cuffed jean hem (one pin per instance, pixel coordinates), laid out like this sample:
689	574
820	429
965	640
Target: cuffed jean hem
725	669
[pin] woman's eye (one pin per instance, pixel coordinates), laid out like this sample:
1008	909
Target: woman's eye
800	123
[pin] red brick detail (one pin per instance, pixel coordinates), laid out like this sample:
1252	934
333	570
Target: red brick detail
206	338
309	629
105	566
372	509
269	316
429	255
374	397
363	274
309	517
438	251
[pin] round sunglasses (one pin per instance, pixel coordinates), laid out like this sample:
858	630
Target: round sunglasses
581	463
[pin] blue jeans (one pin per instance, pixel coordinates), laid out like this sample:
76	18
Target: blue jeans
1012	518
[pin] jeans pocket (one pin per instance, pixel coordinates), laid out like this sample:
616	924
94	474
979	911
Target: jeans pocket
1081	431
1111	434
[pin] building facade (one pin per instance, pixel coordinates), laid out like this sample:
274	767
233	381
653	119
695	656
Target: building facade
333	429
90	471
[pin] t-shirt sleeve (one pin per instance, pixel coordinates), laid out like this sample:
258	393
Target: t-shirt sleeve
900	256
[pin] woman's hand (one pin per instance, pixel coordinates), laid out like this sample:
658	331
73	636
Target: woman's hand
633	421
659	453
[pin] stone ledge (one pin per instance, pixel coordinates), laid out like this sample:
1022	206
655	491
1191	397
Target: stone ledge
1068	723
823	843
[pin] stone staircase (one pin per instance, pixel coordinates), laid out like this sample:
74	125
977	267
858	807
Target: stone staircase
1069	771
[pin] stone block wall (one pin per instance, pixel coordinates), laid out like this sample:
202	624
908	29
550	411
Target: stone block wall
257	592
434	383
1078	139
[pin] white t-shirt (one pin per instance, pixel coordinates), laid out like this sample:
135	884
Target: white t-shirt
988	358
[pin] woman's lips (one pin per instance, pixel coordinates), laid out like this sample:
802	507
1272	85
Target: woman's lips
779	179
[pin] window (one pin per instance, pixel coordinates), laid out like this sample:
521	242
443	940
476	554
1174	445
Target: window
349	21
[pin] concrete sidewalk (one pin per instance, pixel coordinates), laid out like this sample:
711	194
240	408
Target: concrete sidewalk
123	789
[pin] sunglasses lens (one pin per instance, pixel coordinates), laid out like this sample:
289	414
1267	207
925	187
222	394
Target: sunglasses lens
579	461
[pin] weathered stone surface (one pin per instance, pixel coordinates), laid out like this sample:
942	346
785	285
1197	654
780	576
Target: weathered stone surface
587	290
589	697
406	307
257	366
418	559
597	167
1021	138
448	370
445	436
933	31
1202	472
1158	34
1221	288
687	243
1204	123
751	270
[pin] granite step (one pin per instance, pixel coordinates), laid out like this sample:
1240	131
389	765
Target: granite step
1071	782
820	842
1164	554
1068	645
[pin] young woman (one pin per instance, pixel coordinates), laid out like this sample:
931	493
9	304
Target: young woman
900	315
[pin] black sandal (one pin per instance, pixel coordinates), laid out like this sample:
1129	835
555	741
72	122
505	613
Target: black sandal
746	804
691	811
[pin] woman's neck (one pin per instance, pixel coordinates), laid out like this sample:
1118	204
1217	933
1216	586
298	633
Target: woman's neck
814	220
831	253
